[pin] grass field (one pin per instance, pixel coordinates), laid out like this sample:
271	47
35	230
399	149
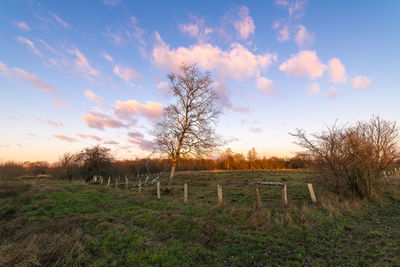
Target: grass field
44	221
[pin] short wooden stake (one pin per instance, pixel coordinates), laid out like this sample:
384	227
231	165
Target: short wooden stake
284	195
109	181
185	193
116	182
126	182
220	200
312	194
258	204
158	190
140	185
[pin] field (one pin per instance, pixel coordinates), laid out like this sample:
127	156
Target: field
44	221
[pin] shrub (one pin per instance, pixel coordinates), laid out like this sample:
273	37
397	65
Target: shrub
354	157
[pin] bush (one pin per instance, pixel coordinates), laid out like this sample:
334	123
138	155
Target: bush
354	157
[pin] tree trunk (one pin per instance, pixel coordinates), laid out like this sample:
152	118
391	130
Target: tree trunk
171	176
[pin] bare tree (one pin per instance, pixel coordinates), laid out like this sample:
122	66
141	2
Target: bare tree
354	156
186	128
65	162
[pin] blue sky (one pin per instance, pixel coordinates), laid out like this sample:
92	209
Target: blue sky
79	73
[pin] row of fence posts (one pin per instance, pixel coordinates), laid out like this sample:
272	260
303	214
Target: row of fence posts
391	172
219	190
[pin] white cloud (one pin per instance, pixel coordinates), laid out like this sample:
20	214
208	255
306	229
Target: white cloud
361	82
126	73
265	85
244	25
305	63
313	88
303	38
337	71
30	45
92	96
22	26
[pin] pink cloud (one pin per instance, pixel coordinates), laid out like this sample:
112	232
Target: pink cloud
125	73
337	71
99	120
65	138
22	26
313	89
238	62
26	76
30	45
92	96
82	64
244	24
91	136
265	85
59	20
143	144
255	130
126	109
303	38
196	29
60	103
305	63
107	57
332	92
52	123
361	82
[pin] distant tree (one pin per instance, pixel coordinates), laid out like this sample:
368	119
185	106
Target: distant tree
94	160
66	163
186	128
227	158
37	167
251	157
354	156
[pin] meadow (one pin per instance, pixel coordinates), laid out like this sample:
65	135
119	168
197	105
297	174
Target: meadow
46	221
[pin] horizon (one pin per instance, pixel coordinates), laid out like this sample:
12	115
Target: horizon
75	74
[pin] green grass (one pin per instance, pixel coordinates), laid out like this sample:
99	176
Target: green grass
51	222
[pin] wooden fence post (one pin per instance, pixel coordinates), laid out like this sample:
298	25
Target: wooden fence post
185	193
140	185
126	182
116	182
284	195
158	190
312	194
101	180
220	200
109	181
258	204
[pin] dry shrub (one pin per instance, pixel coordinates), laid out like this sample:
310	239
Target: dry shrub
13	188
43	249
353	157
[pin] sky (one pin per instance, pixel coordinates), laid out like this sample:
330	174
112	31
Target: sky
80	73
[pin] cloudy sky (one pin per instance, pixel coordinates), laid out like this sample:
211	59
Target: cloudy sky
79	73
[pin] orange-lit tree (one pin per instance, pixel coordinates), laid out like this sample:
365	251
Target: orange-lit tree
187	126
